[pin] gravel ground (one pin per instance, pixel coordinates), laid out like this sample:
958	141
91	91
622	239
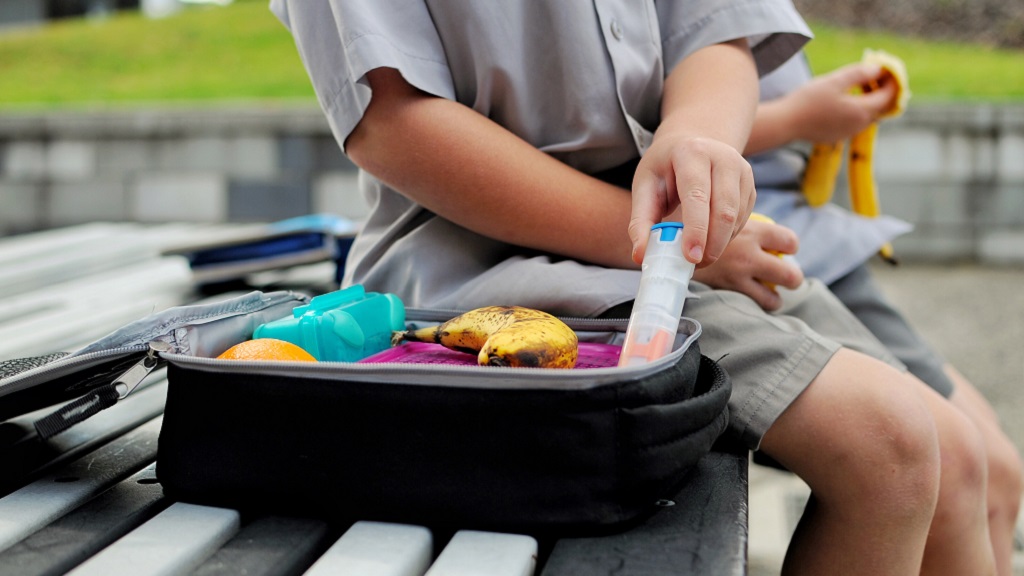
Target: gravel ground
974	316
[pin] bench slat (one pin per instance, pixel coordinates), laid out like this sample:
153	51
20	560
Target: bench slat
377	549
26	510
174	541
676	540
27	457
270	546
40	260
74	537
471	552
68	315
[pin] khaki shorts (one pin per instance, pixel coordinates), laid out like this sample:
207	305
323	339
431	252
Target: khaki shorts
862	296
772	357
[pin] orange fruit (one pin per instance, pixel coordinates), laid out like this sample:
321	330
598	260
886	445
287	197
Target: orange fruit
266	349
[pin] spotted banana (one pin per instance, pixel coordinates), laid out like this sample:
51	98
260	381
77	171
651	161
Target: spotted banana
863	191
826	158
503	336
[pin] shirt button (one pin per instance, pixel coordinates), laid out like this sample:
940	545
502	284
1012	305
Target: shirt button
616	29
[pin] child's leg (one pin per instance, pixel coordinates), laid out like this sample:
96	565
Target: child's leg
862	295
1005	470
959	541
883	453
871	459
894	471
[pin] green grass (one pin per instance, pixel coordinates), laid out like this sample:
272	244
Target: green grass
237	52
938	71
240	52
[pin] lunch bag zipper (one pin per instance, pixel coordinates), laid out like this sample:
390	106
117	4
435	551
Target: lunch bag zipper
106	395
468	375
132	377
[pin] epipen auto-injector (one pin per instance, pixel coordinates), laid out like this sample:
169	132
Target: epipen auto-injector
664	280
345	325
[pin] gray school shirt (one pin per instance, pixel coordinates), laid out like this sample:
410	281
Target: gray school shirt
579	80
833	240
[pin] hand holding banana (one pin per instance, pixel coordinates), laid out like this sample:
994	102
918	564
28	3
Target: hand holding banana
752	263
511	336
826	158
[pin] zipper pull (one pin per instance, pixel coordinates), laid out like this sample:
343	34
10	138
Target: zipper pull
132	377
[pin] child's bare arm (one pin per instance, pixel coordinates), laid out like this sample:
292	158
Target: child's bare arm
468	169
826	109
694	161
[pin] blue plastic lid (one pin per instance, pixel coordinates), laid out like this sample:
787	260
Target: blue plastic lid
668	230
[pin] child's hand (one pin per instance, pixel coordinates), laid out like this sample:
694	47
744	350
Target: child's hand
708	180
750	264
830	108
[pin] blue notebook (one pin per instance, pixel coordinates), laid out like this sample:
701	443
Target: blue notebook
283	244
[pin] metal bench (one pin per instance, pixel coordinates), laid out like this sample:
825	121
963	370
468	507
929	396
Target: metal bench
88	501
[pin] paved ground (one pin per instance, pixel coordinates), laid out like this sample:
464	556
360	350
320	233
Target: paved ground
972	315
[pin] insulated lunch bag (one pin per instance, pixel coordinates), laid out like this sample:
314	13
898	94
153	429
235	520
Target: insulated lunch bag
444	444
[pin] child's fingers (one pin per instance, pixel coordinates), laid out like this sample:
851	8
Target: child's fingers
748	196
728	207
647	208
781	272
880	100
760	292
778	238
694	187
714	187
778	243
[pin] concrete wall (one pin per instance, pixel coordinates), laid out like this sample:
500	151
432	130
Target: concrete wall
170	165
955	171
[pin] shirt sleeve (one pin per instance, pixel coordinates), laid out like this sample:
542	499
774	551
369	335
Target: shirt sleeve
339	41
774	29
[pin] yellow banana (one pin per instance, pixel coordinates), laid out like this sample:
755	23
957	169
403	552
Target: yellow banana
822	169
504	336
863	191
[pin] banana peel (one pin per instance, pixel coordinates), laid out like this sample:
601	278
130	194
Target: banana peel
822	170
826	158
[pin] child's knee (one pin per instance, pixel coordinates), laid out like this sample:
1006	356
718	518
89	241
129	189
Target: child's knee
898	481
965	467
905	444
884	455
1006	474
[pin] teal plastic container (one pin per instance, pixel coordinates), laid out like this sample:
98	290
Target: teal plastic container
344	326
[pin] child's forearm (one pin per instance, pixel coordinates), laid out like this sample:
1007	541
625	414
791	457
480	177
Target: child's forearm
695	161
773	127
468	169
713	93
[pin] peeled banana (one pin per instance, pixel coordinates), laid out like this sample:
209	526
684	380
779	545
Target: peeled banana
826	159
511	336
